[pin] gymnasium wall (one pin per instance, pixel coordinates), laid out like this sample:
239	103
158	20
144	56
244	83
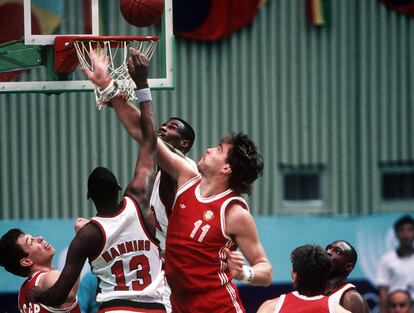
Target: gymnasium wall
335	97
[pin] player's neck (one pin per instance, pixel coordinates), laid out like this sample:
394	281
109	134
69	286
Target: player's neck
335	282
41	268
212	186
108	209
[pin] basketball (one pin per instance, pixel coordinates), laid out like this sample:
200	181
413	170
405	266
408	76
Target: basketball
142	13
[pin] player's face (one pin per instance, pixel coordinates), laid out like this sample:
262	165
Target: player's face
399	303
38	249
170	132
214	159
405	234
336	251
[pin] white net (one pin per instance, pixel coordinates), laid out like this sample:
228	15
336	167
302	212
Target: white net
117	52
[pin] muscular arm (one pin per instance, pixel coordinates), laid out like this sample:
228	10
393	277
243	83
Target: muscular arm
85	244
51	278
354	302
140	186
129	116
241	226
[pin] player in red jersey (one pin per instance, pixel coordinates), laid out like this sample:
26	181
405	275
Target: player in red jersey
344	258
310	269
210	220
24	255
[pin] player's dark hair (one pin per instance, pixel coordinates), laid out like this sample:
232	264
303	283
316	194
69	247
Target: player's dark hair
352	256
405	219
187	132
312	265
11	253
102	185
245	161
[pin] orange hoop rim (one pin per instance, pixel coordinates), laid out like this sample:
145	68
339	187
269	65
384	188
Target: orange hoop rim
72	38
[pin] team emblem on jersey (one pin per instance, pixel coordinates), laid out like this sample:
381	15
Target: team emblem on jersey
208	215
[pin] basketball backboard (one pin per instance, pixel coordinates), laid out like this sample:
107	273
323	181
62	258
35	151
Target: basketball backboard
34	55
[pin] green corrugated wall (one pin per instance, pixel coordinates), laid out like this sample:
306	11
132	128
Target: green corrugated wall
336	98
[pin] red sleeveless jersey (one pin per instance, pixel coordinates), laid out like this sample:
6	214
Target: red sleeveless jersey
196	238
295	303
38	307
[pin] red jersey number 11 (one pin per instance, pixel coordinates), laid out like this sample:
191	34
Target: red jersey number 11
204	230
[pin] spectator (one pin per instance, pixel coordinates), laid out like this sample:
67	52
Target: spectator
399	301
396	268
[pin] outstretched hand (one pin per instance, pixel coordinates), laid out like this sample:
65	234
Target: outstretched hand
235	262
138	68
99	74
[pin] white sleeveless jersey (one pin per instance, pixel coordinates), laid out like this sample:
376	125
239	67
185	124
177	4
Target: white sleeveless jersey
128	265
159	208
336	295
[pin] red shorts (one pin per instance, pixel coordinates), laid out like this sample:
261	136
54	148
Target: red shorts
225	299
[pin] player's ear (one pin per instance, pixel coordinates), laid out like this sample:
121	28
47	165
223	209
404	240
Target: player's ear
226	169
293	275
185	143
349	267
26	262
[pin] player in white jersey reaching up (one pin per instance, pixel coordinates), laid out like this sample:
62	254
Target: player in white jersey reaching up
175	132
120	241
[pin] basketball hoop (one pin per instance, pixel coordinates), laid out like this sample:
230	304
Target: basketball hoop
114	47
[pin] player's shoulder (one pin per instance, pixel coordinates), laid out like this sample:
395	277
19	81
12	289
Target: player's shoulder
48	279
353	296
268	306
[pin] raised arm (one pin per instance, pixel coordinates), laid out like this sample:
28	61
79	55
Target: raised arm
127	113
140	186
175	165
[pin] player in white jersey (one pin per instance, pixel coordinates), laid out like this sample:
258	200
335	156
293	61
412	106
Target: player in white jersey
120	241
344	258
